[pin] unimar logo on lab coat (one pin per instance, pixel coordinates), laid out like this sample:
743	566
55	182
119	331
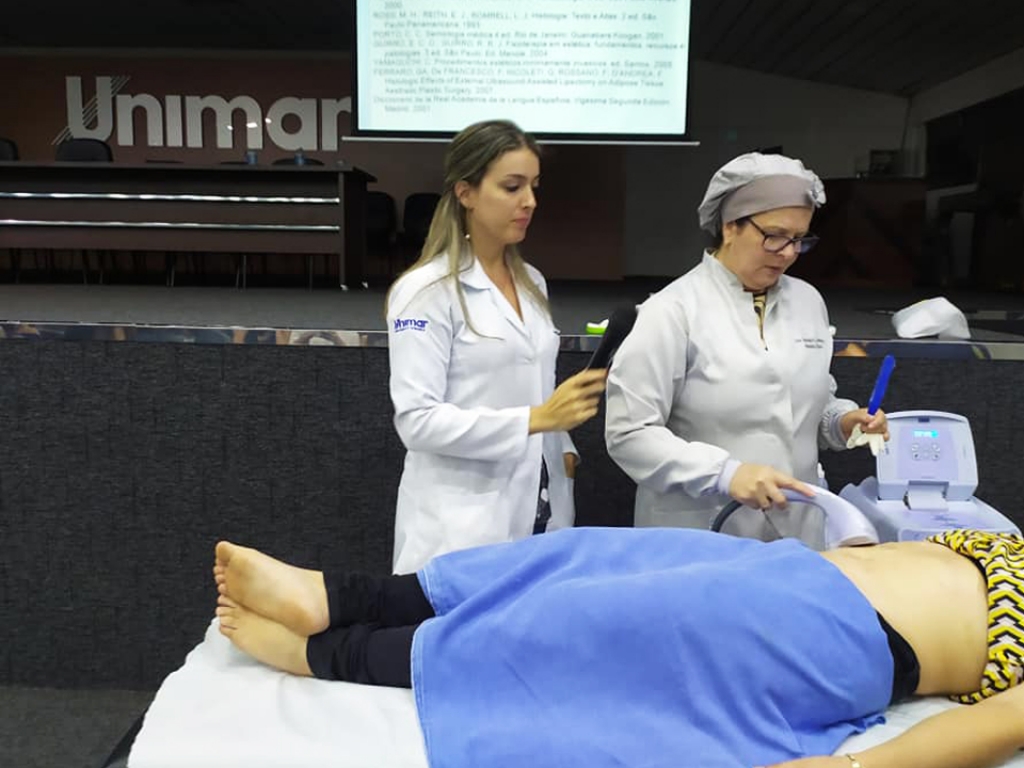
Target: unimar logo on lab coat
409	324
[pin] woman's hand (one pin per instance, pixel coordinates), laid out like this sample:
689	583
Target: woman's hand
759	486
573	402
870	425
571	461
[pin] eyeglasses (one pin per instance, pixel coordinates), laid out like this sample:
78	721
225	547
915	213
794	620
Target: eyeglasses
776	243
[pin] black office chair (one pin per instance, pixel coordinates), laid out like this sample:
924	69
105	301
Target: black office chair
381	227
84	151
8	153
241	259
416	216
8	150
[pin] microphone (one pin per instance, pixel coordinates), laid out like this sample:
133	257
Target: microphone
619	325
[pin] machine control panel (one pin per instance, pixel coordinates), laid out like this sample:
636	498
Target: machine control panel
928	449
927	452
926	444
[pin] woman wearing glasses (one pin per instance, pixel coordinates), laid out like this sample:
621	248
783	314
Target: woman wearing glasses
723	388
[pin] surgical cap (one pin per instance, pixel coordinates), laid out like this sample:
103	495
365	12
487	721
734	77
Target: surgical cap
753	183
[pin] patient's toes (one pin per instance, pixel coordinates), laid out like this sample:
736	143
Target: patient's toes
227	618
223	552
266	640
294	597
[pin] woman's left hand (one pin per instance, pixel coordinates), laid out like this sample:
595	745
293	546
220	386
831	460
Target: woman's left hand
877	424
815	762
570	460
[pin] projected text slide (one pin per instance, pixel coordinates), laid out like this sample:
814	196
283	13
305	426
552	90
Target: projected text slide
554	66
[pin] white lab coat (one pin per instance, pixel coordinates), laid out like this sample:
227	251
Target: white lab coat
462	407
693	385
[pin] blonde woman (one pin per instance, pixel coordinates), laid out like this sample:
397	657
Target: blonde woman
472	350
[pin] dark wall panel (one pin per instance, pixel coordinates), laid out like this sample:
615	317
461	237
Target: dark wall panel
122	464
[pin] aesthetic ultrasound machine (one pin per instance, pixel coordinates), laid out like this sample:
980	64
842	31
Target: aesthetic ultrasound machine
925	480
924	484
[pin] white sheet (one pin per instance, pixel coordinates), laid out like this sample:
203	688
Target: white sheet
224	708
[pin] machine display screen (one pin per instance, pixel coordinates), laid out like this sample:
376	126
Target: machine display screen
930	433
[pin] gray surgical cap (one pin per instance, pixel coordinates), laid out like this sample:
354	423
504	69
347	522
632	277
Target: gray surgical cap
753	183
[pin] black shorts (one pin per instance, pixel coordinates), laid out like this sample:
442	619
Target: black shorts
906	673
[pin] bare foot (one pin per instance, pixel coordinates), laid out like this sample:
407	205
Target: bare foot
294	597
263	639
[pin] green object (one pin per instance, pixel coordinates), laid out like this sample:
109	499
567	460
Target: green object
597	329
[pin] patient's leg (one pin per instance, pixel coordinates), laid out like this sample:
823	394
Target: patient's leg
293	597
361	653
296	597
262	638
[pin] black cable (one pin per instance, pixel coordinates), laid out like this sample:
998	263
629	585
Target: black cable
721	517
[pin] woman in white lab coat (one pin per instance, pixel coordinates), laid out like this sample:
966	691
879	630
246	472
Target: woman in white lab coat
472	350
722	390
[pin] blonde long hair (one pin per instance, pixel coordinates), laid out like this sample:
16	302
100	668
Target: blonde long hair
468	158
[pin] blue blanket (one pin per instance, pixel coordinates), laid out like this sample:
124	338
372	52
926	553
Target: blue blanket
643	648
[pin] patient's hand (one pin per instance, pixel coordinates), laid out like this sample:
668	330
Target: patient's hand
815	762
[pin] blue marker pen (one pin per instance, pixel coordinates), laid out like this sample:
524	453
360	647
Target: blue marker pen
880	384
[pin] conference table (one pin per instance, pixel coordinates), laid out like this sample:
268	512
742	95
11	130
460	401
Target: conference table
178	208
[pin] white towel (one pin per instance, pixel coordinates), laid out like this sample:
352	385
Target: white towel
873	440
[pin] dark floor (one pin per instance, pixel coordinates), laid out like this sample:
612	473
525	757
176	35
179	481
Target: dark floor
856	313
48	728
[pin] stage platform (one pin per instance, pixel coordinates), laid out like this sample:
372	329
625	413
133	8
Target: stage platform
292	316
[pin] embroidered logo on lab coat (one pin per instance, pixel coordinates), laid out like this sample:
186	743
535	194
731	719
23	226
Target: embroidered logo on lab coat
409	324
811	343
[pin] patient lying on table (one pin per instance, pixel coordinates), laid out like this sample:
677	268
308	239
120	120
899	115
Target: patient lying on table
674	647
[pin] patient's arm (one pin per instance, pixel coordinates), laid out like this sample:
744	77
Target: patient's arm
978	736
